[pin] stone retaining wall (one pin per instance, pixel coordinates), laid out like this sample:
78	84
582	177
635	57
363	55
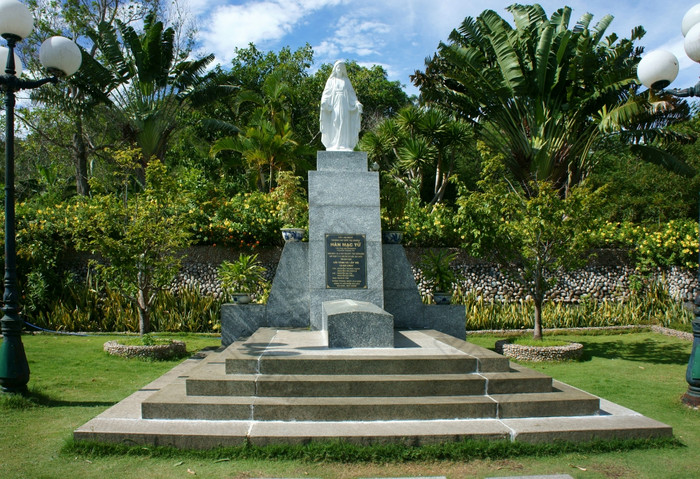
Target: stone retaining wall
597	281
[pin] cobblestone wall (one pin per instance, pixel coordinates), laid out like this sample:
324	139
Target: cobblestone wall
597	281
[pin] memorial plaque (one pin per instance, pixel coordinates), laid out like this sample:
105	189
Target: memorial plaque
346	261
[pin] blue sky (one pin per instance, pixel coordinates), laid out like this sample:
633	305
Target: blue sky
400	34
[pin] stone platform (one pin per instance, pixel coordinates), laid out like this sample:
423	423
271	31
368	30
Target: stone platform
287	386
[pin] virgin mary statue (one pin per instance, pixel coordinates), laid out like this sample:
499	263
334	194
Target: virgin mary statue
340	111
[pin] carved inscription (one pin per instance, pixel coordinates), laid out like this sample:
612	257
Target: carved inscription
346	261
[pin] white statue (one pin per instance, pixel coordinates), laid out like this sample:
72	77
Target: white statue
340	111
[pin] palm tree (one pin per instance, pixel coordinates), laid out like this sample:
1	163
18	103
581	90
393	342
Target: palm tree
416	143
268	144
153	86
544	96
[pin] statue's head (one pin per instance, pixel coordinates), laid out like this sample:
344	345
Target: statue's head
339	69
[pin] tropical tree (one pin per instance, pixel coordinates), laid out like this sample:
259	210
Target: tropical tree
155	87
545	95
140	236
268	143
75	102
419	142
532	232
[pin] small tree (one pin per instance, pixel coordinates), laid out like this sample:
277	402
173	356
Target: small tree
532	235
291	200
139	238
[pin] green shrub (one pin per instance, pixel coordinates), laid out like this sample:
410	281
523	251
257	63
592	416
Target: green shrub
89	308
652	307
428	225
673	243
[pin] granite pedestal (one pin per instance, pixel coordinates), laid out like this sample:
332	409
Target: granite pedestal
357	324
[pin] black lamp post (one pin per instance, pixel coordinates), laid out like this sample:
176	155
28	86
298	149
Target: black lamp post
657	70
61	57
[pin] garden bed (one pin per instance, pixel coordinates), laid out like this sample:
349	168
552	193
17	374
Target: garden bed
521	352
173	349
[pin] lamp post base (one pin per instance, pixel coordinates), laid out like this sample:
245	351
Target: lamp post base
692	397
14	370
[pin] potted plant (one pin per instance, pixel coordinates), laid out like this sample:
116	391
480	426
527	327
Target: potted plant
436	268
241	279
393	199
292	206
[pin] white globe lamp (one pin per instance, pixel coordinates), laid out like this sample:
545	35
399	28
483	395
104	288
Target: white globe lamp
15	19
658	69
60	56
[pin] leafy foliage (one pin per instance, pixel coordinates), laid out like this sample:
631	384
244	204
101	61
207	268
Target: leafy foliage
436	267
417	145
545	96
246	275
139	237
151	85
534	234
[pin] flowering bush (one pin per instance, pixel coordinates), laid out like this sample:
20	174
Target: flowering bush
674	243
246	220
428	225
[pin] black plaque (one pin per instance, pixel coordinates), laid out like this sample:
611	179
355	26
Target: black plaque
346	261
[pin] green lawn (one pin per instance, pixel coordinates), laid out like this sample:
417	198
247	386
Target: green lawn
73	380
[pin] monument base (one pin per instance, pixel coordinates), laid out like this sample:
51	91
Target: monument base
288	387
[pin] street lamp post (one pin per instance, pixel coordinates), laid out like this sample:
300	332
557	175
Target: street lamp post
657	70
61	57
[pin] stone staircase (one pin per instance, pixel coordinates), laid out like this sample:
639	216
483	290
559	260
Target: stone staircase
289	375
287	386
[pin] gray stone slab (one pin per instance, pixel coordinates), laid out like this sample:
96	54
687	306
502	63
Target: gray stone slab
590	428
401	296
240	320
335	219
319	296
449	319
343	188
341	161
288	303
406	432
357	324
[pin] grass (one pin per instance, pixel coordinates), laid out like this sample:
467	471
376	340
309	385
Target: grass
72	380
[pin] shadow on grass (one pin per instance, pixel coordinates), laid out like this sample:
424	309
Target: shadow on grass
36	398
648	351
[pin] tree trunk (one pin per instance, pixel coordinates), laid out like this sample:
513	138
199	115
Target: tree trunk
537	333
82	186
144	313
538	299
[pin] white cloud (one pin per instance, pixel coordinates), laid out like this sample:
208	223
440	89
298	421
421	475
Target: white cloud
361	37
235	26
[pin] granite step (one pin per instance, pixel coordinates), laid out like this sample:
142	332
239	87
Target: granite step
343	365
172	403
409	385
273	351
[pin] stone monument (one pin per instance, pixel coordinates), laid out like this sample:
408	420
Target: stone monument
344	282
280	385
